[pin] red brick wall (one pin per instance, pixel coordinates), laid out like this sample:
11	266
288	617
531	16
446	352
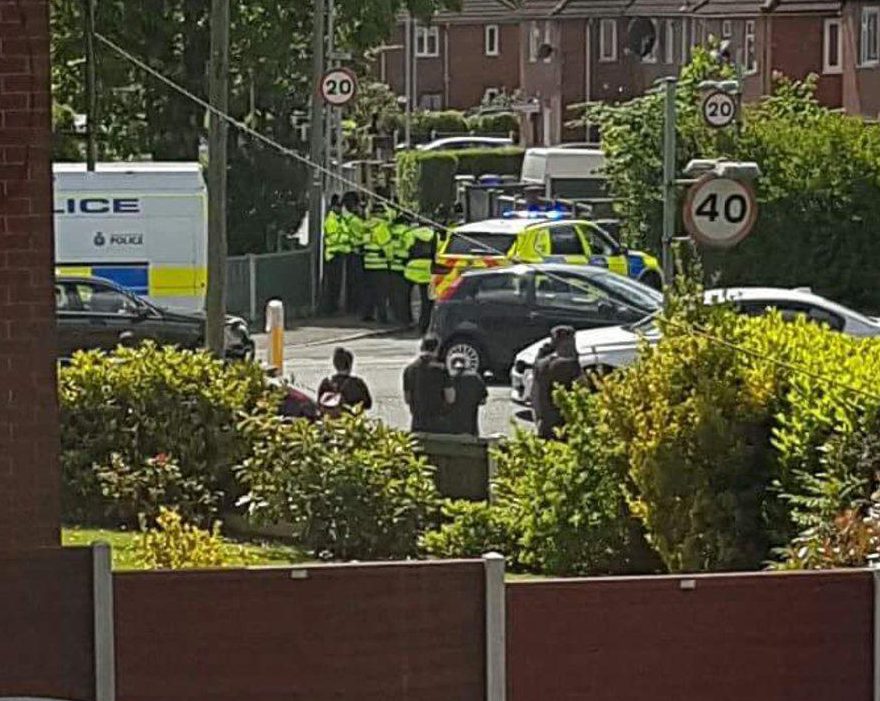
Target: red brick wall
796	46
372	633
760	637
471	72
29	478
47	639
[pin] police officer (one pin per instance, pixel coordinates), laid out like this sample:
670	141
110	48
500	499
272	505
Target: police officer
418	271
377	236
336	246
354	263
401	242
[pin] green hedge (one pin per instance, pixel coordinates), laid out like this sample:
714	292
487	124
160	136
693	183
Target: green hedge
498	123
490	161
426	123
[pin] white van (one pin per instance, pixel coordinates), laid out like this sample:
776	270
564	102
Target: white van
570	173
141	225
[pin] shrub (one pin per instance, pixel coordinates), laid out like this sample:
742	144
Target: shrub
495	124
144	411
426	122
490	161
426	180
348	487
471	529
174	544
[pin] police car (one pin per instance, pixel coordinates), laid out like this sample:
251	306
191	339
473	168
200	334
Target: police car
536	237
615	347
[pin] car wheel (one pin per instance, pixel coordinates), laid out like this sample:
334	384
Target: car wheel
469	350
652	279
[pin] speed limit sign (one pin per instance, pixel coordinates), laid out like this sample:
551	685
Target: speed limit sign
720	212
719	109
338	86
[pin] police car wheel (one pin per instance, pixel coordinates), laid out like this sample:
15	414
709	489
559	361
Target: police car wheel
465	349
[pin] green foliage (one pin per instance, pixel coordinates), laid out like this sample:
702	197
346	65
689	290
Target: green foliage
558	509
348	487
174	544
818	192
425	123
426	180
148	427
376	106
490	161
494	123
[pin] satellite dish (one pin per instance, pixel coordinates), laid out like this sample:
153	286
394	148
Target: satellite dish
544	51
642	36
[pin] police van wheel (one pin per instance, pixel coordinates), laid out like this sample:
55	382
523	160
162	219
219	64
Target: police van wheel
467	349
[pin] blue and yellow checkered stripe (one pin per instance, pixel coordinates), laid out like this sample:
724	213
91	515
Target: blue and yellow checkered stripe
145	279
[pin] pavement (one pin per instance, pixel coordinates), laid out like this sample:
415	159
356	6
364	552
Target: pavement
381	353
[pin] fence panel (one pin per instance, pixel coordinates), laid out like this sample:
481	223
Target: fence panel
238	285
286	276
728	637
367	632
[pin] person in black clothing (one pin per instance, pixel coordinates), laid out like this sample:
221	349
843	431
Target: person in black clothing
470	395
427	389
294	403
556	367
343	390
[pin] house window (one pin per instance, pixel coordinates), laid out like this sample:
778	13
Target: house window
534	41
684	41
832	61
869	49
493	40
427	42
726	28
433	102
698	32
608	40
669	42
651	56
751	57
547	37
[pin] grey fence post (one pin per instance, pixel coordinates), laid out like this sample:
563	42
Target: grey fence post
105	651
496	639
252	287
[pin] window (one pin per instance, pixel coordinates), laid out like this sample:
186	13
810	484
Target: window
751	57
869	48
669	42
534	41
427	42
548	42
104	300
565	241
480	244
492	40
599	245
832	50
726	28
568	292
505	288
684	41
651	56
61	303
431	101
608	40
698	32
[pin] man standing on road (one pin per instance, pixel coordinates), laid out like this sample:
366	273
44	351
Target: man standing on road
427	389
558	368
470	395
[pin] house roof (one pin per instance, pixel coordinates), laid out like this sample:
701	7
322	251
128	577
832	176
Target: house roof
480	11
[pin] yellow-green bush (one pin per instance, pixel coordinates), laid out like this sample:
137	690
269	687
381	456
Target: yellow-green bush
174	544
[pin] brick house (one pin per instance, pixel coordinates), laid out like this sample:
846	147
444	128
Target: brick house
459	58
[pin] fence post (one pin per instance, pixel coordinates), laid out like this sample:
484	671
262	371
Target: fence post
105	652
252	286
496	640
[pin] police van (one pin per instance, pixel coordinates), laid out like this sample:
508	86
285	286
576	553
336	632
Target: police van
141	225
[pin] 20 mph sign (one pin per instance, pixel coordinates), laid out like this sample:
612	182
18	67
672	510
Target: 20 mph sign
338	87
720	212
719	109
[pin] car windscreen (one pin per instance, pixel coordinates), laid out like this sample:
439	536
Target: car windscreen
633	294
479	244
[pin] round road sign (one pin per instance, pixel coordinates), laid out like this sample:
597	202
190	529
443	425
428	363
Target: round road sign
720	212
338	86
719	108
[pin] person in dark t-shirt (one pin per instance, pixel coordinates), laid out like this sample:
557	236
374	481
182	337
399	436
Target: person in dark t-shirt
470	395
428	389
559	368
343	390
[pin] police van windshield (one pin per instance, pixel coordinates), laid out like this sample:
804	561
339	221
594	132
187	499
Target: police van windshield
480	244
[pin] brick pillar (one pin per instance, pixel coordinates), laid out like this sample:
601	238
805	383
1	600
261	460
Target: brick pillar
29	474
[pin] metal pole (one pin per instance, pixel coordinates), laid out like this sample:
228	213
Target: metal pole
407	70
669	193
91	87
316	148
217	146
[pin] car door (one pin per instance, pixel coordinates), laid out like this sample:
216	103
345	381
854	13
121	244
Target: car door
70	322
501	315
604	251
109	314
571	300
566	245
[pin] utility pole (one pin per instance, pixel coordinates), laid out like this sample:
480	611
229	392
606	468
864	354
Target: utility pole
407	70
217	145
670	199
91	87
316	148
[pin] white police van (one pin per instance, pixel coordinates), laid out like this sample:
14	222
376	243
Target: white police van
141	225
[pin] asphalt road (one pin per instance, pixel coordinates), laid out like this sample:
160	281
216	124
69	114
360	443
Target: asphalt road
380	361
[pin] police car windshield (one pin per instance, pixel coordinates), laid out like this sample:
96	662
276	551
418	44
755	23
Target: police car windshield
480	244
633	294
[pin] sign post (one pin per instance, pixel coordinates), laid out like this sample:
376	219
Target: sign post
720	212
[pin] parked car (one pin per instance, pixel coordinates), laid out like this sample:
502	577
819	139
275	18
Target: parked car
459	143
617	346
488	315
93	313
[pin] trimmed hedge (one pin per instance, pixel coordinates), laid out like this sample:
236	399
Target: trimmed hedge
498	123
490	161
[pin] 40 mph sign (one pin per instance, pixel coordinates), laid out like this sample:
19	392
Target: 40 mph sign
720	212
338	87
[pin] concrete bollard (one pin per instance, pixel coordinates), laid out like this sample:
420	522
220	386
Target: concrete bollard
275	329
